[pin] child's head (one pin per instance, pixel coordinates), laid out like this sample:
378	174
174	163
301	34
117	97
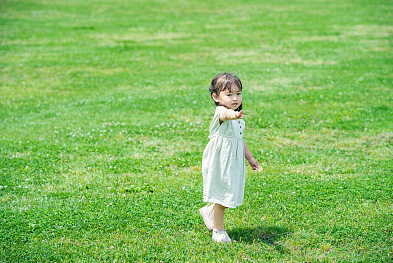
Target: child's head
224	85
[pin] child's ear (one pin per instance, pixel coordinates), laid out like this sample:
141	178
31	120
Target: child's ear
215	97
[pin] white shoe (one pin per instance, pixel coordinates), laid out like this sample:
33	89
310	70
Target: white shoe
207	217
221	236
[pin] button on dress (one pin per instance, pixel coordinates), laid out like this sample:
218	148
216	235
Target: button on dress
223	162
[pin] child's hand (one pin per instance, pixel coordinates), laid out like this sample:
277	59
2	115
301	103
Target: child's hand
234	115
230	115
255	164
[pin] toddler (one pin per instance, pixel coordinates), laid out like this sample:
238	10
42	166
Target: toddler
223	161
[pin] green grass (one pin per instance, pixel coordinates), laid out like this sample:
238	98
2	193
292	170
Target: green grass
104	115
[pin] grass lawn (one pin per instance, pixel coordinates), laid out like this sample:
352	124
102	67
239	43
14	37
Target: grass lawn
105	110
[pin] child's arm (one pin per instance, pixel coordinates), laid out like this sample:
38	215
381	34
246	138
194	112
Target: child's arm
251	160
229	114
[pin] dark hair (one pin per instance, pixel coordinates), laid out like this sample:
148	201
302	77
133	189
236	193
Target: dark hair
225	81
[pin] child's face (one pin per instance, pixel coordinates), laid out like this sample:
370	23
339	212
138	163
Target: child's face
231	100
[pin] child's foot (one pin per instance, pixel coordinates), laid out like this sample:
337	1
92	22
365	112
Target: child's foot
207	217
221	236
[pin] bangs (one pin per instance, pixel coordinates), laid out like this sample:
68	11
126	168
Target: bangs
226	82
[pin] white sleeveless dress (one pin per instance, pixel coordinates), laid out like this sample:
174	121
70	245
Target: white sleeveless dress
223	162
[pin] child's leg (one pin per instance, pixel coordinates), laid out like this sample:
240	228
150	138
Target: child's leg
218	216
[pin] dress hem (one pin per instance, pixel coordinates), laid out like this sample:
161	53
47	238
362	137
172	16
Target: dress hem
215	201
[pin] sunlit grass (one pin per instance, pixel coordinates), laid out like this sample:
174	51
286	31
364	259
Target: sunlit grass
104	115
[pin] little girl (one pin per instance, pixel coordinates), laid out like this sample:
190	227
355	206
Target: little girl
223	162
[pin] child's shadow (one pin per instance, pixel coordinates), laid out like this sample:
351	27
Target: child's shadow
272	236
